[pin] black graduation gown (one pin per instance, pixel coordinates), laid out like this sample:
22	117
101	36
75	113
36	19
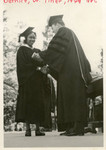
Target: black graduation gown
32	84
49	102
62	58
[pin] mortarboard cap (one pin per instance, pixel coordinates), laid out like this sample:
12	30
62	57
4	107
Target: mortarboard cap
54	19
26	32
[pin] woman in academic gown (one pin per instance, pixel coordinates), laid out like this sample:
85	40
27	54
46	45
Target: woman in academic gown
30	99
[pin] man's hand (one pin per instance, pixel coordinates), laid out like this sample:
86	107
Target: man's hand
44	69
37	57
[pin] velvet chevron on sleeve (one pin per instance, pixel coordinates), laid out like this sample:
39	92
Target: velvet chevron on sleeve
57	50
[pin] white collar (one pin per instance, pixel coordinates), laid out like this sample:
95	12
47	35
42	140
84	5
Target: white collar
26	45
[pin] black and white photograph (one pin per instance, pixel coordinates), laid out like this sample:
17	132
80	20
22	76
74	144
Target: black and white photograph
52	74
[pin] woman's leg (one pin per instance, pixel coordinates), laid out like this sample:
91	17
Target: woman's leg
28	126
37	126
28	130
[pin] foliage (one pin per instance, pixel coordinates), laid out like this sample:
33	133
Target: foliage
10	45
100	66
48	34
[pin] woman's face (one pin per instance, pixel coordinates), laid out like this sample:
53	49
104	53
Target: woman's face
31	39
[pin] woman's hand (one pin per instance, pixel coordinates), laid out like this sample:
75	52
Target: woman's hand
45	69
37	57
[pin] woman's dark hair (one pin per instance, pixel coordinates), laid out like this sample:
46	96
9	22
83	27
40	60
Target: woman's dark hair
25	41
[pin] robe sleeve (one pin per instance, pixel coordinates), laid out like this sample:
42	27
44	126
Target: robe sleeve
57	50
25	64
85	65
24	59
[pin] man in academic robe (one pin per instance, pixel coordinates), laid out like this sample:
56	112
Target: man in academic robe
69	66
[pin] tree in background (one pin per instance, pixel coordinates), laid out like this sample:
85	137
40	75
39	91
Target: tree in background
48	34
100	66
10	45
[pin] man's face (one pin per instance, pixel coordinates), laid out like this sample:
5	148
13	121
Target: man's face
54	28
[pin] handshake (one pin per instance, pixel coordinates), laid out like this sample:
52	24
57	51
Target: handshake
43	69
37	57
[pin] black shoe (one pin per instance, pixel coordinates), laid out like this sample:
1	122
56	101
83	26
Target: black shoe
39	133
75	134
86	130
28	133
68	131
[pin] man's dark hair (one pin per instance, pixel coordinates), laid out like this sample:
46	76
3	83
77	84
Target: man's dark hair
60	22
